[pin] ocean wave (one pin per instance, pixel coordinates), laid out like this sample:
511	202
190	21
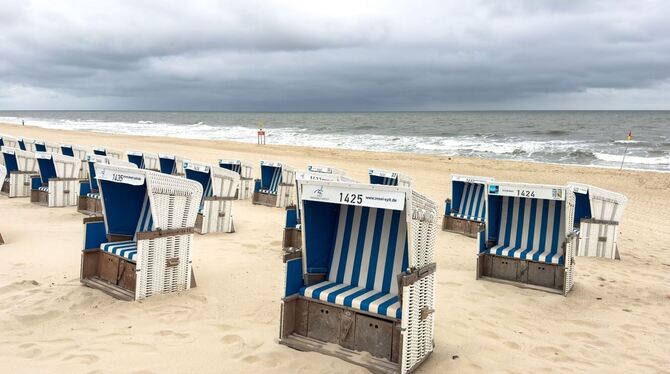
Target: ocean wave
633	159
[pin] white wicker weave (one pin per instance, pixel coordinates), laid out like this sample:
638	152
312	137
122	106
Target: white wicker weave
113	153
217	211
3	173
9	141
403	180
246	178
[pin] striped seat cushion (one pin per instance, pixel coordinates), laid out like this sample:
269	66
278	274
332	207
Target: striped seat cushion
359	298
369	252
531	229
126	249
472	205
92	195
43	188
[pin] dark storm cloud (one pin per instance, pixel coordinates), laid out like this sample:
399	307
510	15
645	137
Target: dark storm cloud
260	55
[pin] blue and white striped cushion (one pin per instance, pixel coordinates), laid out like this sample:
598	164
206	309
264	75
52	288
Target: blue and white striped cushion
359	298
125	249
370	250
92	195
274	183
472	203
531	229
43	188
145	221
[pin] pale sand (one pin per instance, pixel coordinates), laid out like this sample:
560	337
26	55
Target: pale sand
617	318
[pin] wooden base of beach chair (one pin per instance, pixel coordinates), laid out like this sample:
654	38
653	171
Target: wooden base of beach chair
89	206
109	273
461	226
362	338
292	238
217	216
259	198
39	197
521	273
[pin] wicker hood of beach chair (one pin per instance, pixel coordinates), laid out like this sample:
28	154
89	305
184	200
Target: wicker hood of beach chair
389	178
598	213
220	188
144	160
171	164
109	152
79	152
3	174
142	245
245	170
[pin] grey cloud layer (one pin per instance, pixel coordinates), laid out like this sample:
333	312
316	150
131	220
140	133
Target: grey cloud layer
262	55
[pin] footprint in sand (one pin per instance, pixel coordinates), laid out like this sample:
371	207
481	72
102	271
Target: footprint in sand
232	339
82	358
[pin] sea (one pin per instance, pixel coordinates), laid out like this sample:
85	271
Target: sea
594	138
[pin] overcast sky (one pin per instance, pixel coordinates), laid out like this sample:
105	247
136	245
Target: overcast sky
334	55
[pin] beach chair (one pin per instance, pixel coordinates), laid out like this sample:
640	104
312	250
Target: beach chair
109	152
57	185
219	187
42	146
597	215
8	141
362	286
144	160
79	152
89	193
171	164
21	166
465	212
275	188
292	233
142	246
245	170
529	239
3	174
26	144
389	178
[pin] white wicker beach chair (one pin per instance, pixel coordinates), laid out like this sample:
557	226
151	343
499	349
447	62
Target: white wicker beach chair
89	193
597	216
79	152
8	141
529	238
171	164
26	144
389	178
275	188
144	160
109	152
143	245
57	185
42	146
21	166
219	189
362	287
245	170
465	212
3	174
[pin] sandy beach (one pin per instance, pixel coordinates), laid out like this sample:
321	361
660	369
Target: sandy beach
616	319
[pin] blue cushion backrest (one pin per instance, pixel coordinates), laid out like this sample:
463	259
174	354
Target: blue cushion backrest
10	163
47	169
168	165
582	207
471	202
127	208
39	147
100	152
532	225
91	176
270	177
67	151
370	248
22	145
233	167
205	181
137	160
375	179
